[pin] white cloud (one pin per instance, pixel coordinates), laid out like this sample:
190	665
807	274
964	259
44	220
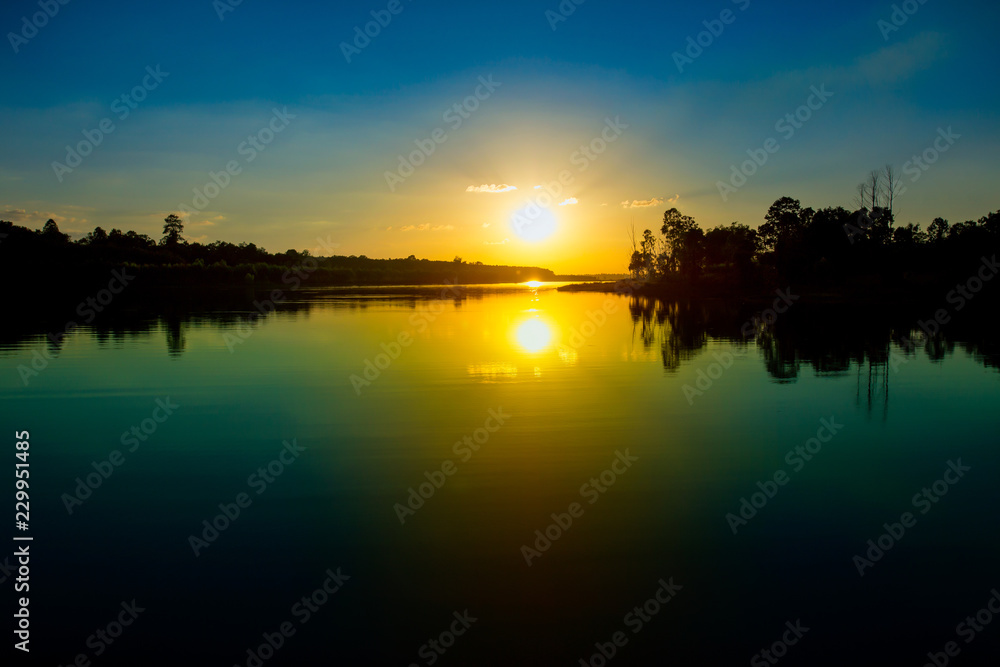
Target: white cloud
492	188
570	202
426	227
642	203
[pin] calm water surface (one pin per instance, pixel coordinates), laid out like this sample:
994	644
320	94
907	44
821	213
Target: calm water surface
570	385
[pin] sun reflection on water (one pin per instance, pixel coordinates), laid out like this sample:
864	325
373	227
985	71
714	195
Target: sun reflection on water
534	335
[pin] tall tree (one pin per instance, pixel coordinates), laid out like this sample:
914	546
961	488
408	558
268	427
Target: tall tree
892	186
783	223
173	227
676	228
937	230
50	230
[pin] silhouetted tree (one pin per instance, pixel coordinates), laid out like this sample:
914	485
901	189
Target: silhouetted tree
173	227
909	236
937	230
50	230
96	237
675	229
733	246
783	224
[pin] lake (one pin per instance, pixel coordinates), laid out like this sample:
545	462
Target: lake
510	475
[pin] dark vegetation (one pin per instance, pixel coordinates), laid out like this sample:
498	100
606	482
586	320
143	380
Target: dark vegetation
47	262
859	254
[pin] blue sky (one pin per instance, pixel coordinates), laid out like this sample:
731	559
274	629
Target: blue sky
324	175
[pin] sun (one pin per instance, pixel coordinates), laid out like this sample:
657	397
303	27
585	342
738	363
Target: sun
533	223
534	284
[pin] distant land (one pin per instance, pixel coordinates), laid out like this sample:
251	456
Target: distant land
55	263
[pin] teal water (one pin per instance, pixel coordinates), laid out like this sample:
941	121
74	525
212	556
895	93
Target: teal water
640	426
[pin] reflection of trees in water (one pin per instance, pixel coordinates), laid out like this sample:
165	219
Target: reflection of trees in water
831	340
875	389
780	356
232	312
679	329
985	351
174	328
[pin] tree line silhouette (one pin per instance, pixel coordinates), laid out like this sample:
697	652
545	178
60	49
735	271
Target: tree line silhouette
831	247
174	261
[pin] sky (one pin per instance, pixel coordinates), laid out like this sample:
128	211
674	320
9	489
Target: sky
278	124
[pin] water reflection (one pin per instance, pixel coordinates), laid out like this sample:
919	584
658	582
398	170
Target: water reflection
829	341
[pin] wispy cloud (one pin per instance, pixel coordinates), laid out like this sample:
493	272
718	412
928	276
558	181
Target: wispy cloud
426	227
491	188
486	224
25	216
205	223
899	62
642	203
569	202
